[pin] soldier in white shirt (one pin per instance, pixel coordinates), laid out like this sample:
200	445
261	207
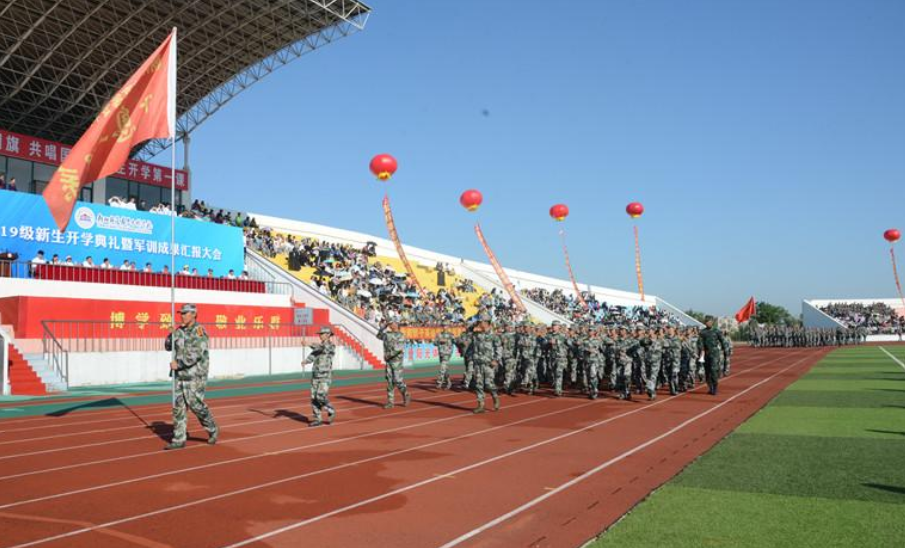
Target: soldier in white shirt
126	266
88	262
68	261
105	264
39	258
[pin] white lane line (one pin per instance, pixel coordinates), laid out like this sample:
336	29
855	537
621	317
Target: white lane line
212	403
247	458
304	385
316	472
298	398
464	469
530	504
222	442
895	359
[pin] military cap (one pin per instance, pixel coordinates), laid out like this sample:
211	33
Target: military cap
187	307
325	330
555	322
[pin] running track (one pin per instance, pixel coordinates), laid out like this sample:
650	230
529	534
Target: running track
541	472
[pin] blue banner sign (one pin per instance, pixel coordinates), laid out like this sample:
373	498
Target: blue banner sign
104	232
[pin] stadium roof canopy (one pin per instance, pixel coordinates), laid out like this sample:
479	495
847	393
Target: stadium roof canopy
62	60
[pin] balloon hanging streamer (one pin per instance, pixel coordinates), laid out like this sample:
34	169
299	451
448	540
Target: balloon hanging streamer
501	274
394	235
638	264
565	250
895	273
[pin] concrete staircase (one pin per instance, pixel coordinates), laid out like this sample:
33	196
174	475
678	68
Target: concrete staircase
31	375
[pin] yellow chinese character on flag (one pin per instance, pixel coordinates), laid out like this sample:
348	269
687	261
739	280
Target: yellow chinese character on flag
117	319
142	319
274	322
258	322
220	321
166	320
240	322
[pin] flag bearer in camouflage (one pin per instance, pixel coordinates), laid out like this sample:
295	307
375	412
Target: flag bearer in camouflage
653	360
486	353
508	340
393	350
463	343
321	358
190	365
558	344
444	341
710	346
528	354
672	350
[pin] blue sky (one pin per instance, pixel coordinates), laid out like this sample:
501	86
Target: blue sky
766	139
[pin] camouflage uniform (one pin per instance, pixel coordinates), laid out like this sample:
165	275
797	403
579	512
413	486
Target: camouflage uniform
558	345
592	356
393	350
672	349
486	353
609	356
710	342
321	358
444	342
624	350
510	359
687	364
193	361
653	360
463	343
528	355
727	353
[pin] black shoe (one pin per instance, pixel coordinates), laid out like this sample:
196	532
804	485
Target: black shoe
172	446
314	424
330	415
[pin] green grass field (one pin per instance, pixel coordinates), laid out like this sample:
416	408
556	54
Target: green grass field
822	465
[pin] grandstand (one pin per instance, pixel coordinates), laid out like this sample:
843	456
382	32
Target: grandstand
883	319
101	295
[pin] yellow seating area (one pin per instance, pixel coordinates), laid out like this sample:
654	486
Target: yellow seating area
427	276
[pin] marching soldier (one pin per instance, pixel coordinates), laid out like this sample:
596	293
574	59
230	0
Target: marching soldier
321	358
486	353
393	350
444	341
190	364
711	348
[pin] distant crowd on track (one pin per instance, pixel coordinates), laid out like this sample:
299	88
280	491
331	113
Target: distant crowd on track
788	337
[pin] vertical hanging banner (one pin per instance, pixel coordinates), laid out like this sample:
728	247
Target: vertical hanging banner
565	250
895	273
394	236
501	274
638	265
139	111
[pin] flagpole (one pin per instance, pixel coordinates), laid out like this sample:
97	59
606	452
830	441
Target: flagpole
172	116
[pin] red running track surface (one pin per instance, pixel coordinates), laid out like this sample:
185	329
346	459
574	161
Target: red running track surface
541	472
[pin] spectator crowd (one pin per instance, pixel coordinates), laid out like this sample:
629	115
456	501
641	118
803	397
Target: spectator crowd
877	318
599	313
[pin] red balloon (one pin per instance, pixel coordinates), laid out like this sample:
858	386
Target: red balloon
892	235
471	199
634	210
383	166
559	212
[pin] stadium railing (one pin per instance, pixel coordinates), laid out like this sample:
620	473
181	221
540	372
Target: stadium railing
64	273
64	336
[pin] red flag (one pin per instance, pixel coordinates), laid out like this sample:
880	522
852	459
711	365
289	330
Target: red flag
145	108
750	309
